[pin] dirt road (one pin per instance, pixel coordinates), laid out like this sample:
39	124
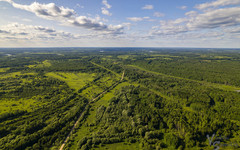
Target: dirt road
81	115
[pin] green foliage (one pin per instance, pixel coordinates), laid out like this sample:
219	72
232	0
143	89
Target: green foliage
171	140
167	99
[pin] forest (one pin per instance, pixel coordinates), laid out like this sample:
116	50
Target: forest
119	99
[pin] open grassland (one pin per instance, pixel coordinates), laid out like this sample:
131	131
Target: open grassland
222	57
99	86
9	84
28	105
74	80
106	97
15	74
45	63
4	69
124	56
91	92
150	58
106	81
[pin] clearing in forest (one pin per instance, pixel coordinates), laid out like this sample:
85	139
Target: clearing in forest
74	80
45	63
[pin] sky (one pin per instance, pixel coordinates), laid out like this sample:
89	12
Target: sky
120	23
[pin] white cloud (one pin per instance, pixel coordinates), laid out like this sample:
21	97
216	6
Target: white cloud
216	21
47	11
20	35
191	13
149	7
79	6
136	19
235	30
67	16
168	28
217	3
105	3
106	12
183	7
158	14
21	31
9	1
216	18
128	25
212	19
17	31
146	17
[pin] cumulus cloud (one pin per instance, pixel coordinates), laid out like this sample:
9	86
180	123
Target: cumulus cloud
17	31
158	14
83	21
128	25
169	28
21	31
216	18
105	9
47	11
193	21
223	19
217	3
148	7
4	32
67	16
106	12
9	1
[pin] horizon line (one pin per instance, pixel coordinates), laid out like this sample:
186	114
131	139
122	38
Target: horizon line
119	47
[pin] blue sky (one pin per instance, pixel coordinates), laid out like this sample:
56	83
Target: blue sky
125	23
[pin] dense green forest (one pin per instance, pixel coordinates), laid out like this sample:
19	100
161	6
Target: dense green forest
119	98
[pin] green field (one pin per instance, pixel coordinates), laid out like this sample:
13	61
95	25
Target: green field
23	105
74	80
16	74
4	69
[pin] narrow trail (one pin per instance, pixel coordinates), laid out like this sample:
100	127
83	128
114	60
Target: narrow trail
81	115
76	123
